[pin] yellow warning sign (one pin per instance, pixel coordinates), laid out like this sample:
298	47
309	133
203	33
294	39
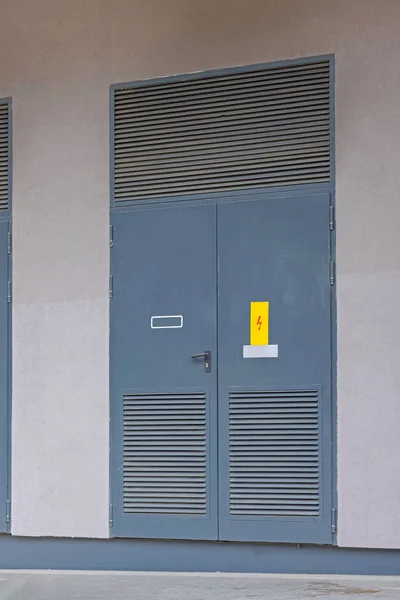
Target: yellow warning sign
259	316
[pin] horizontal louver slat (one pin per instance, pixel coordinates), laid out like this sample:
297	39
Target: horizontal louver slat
274	462
4	155
164	453
263	128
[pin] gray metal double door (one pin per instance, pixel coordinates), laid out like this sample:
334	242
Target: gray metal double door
213	436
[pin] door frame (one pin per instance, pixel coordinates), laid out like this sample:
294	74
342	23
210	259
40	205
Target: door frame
221	197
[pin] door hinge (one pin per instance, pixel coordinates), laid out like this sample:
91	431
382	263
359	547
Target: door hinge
9	291
334	520
9	242
111	236
331	218
332	272
111	288
8	511
110	515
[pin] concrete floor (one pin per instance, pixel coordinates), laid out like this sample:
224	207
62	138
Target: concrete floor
67	585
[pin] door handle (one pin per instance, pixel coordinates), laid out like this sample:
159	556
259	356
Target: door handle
206	355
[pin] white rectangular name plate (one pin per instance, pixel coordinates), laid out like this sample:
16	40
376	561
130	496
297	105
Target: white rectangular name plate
166	322
270	351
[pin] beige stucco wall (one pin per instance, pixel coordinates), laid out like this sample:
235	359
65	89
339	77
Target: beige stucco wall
57	60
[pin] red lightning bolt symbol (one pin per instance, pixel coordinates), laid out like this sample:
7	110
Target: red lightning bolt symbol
259	323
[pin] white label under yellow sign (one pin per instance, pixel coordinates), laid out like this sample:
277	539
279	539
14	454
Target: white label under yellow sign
259	323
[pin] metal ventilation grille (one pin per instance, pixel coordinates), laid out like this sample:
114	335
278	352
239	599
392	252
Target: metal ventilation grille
274	453
165	453
266	127
4	156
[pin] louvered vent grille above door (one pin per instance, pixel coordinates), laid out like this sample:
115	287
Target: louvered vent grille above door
4	155
165	454
263	127
274	453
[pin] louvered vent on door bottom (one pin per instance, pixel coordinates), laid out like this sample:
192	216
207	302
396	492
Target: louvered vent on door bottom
264	127
4	155
274	453
165	453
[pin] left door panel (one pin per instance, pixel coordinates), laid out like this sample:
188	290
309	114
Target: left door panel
163	401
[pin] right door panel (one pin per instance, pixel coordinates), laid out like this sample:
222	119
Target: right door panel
275	411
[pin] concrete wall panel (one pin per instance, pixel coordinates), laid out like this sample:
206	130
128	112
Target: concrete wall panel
58	58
